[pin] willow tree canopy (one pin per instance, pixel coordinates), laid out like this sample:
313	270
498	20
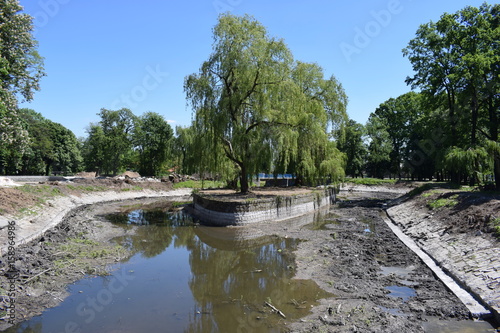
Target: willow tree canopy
257	109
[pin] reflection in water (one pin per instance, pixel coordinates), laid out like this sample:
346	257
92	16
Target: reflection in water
187	278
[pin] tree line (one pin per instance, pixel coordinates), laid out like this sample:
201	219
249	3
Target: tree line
448	129
256	108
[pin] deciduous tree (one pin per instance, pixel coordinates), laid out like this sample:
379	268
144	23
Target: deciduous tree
153	140
262	109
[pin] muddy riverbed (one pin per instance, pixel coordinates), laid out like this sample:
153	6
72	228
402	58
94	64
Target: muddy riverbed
372	281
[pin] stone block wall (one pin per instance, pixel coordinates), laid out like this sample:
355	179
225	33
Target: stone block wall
213	211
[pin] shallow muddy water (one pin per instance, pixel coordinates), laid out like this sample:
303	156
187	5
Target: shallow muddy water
184	277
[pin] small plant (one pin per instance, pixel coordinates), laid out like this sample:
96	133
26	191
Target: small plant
180	204
429	194
198	184
371	181
26	211
443	202
496	226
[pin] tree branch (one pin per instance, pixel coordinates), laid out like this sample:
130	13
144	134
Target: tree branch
272	123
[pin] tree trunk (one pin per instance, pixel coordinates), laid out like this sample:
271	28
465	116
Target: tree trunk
452	116
474	118
497	171
244	187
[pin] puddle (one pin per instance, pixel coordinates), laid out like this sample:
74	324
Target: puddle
186	278
401	292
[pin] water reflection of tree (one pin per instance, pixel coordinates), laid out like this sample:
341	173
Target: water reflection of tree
222	279
231	279
157	231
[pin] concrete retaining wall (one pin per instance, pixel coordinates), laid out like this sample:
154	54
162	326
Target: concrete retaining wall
213	211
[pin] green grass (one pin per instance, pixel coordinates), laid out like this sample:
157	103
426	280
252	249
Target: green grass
26	211
87	188
181	204
198	184
430	193
496	227
134	188
371	181
41	192
443	202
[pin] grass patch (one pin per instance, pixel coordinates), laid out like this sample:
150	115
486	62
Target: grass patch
432	186
76	254
134	188
371	181
181	204
41	192
198	184
26	211
87	188
443	202
496	227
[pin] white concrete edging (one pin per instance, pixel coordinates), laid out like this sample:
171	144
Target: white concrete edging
476	309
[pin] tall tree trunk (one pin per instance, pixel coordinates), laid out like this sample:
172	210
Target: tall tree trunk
474	118
452	115
494	125
496	171
244	186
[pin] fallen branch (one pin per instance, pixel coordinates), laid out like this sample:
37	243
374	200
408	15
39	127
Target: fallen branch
276	310
37	275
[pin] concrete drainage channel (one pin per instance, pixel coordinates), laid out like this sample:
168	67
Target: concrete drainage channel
476	309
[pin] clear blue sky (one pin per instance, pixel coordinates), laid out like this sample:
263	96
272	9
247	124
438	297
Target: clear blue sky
136	54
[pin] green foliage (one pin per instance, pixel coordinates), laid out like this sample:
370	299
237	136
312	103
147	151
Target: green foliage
472	161
423	188
41	191
496	226
198	184
455	61
350	141
371	181
397	117
153	140
134	188
21	67
122	141
108	148
87	188
20	72
379	149
53	147
13	135
256	109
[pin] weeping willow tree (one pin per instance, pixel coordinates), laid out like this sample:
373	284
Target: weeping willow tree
256	109
468	163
